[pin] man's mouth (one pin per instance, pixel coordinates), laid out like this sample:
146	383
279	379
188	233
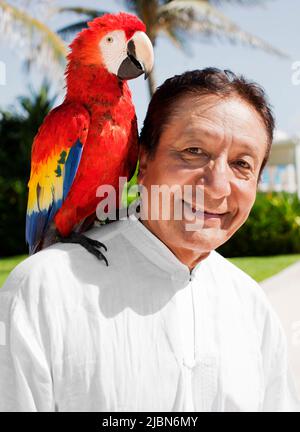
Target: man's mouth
204	213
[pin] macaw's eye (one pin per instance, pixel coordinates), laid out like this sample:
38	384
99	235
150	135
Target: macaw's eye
109	39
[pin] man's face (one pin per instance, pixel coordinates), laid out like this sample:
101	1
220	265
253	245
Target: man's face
217	146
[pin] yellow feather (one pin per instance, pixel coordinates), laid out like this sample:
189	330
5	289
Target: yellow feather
51	185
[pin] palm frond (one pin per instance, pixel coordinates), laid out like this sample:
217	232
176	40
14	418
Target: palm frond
200	16
92	13
37	101
247	3
134	5
37	44
69	32
175	36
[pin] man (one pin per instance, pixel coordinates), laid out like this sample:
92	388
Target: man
170	325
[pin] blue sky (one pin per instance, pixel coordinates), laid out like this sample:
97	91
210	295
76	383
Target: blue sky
277	21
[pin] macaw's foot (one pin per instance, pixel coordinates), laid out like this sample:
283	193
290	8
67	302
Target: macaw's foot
91	245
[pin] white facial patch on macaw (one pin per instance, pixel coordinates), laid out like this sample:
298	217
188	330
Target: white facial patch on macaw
113	47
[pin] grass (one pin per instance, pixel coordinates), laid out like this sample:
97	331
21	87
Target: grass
7	264
259	268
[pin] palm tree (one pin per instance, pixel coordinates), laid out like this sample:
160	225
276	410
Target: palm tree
176	18
35	41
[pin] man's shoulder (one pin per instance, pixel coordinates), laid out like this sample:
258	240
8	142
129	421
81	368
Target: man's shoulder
242	284
54	265
230	268
35	267
251	300
107	232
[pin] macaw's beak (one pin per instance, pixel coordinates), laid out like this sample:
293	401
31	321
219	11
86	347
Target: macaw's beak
140	57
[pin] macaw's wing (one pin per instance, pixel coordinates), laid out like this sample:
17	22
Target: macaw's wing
56	155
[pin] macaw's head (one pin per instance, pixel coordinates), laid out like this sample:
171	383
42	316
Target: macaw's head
116	42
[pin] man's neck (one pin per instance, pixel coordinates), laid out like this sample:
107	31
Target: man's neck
188	257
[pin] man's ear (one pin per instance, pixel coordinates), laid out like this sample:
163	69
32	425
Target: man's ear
143	160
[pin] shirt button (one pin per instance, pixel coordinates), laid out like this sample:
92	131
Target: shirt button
190	364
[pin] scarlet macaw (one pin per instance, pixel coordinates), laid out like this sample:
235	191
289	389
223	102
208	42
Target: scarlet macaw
91	138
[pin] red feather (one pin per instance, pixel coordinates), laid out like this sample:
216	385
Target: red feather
110	151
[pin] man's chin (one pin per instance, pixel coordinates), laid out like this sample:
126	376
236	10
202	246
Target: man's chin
207	238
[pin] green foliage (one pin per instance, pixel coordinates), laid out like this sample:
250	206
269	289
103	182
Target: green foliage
272	228
260	268
17	130
7	265
130	191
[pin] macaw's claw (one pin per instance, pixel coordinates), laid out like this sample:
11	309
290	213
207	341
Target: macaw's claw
91	245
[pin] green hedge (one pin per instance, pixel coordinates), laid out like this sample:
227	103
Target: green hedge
273	227
17	130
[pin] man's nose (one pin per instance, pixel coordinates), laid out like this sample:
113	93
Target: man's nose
217	177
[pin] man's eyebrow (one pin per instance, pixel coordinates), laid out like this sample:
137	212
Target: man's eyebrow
251	149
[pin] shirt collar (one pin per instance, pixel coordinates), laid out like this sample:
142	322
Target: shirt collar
156	251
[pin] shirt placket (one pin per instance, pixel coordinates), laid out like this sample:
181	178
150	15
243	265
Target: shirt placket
187	346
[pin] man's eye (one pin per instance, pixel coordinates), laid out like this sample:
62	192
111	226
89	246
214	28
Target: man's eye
243	164
194	150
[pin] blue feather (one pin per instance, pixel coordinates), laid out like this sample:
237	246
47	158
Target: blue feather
37	223
71	167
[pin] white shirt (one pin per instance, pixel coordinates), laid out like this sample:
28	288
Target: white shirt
185	307
140	335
